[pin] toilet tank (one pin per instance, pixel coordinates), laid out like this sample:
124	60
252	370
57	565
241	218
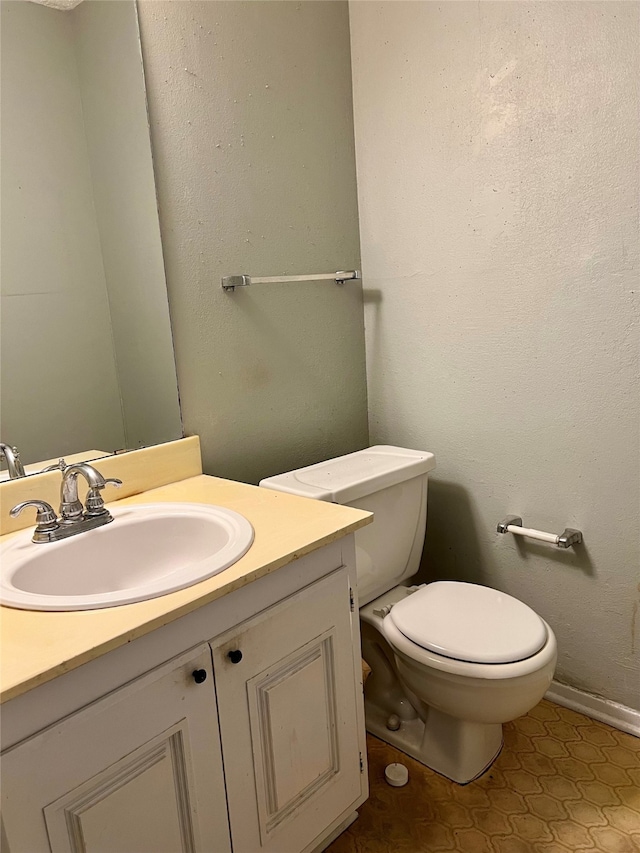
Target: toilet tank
389	481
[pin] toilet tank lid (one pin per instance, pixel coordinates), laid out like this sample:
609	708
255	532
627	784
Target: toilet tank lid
348	478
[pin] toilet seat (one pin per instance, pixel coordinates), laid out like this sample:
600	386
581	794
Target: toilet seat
471	623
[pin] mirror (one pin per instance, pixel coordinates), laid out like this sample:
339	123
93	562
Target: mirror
87	359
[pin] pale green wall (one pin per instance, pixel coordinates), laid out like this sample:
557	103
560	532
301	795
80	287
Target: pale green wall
502	239
252	128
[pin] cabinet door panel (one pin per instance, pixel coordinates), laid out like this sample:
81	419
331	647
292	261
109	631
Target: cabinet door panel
288	711
139	770
293	763
97	816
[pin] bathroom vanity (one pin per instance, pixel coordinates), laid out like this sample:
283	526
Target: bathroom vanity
223	717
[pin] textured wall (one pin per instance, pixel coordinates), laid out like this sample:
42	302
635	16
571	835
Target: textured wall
252	129
497	151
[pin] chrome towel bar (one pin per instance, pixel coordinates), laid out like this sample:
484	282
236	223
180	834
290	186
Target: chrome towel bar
230	282
513	524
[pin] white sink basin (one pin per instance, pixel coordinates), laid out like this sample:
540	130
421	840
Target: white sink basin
146	551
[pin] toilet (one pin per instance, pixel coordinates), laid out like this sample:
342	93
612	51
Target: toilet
450	661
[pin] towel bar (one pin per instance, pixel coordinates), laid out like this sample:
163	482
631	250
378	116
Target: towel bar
230	282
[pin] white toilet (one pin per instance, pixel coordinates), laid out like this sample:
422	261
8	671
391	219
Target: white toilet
450	661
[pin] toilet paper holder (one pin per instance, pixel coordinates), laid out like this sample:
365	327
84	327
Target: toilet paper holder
513	524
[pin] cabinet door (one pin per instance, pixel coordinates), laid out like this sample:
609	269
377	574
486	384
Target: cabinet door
289	721
138	771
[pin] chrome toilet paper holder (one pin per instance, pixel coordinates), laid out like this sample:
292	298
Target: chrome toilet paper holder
513	524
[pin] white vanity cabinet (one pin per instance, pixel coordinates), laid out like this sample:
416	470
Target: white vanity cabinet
253	740
288	706
138	771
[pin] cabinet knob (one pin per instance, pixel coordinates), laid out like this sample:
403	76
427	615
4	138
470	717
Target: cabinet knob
199	675
235	656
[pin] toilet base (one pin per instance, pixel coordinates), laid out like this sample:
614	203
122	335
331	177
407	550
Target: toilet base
457	749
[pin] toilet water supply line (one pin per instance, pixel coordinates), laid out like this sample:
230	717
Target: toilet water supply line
513	524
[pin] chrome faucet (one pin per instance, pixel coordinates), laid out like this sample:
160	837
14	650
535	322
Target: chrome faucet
12	458
71	509
74	517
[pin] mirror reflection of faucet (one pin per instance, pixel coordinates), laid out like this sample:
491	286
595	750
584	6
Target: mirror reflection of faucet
74	517
60	465
11	456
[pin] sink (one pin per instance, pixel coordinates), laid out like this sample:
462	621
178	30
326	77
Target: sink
146	551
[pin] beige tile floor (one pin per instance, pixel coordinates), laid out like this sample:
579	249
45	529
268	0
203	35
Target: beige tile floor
563	783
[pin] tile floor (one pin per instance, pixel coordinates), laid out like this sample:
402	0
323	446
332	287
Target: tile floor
563	783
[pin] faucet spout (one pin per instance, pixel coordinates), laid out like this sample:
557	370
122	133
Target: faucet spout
70	505
12	458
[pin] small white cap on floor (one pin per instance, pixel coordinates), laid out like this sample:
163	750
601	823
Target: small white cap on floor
396	775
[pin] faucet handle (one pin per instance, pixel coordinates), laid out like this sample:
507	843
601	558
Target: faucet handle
60	465
46	519
94	504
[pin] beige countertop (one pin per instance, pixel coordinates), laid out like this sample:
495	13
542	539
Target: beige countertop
37	646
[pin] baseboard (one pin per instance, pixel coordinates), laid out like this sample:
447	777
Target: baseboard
618	716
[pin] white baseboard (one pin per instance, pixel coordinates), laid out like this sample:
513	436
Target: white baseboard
618	716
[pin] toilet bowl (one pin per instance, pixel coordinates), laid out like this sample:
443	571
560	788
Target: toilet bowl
450	661
450	711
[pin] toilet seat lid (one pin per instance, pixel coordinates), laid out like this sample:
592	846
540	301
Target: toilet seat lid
468	622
